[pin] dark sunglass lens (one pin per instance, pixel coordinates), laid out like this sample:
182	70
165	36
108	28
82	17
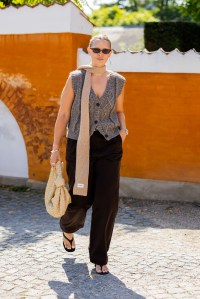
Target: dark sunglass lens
96	50
106	51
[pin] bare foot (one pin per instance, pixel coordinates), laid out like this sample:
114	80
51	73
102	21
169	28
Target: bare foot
102	269
98	269
105	269
67	243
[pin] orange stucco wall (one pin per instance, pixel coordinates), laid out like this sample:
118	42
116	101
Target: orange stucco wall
162	110
33	71
163	117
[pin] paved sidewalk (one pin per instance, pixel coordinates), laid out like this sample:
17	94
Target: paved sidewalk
154	254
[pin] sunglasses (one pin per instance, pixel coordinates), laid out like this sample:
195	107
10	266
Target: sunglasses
104	51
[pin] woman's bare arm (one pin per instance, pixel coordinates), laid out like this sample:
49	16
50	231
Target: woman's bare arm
120	113
63	116
67	97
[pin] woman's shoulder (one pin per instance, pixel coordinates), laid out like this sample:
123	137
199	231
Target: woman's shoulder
117	76
77	73
76	77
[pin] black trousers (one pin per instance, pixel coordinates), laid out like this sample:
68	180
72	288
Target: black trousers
103	193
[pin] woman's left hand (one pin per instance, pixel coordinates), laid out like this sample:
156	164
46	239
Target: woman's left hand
123	135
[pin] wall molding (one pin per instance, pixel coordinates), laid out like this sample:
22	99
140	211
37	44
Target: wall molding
152	62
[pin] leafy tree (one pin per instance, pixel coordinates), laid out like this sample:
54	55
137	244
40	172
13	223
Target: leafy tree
4	3
116	16
164	10
169	10
191	8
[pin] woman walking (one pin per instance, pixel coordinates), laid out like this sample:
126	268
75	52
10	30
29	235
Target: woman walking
92	110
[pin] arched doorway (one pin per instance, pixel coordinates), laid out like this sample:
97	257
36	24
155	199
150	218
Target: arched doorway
13	155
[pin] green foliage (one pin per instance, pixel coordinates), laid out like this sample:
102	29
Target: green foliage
115	16
164	10
4	3
191	8
172	13
171	35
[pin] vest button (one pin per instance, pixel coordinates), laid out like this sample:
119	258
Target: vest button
106	135
96	121
97	104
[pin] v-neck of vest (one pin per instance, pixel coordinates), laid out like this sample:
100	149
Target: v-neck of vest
106	88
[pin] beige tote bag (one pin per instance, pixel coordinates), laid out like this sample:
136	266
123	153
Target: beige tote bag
57	197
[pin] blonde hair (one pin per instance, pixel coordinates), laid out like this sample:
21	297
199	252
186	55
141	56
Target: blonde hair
99	37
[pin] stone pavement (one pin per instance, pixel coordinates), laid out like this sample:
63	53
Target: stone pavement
154	254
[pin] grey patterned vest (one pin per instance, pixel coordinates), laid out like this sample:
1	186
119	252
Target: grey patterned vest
103	116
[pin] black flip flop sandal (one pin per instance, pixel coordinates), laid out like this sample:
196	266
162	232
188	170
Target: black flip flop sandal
101	273
70	241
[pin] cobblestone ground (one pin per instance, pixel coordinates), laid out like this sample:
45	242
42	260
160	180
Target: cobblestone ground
155	252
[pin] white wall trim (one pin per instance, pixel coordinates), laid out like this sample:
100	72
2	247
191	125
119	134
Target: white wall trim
144	61
42	19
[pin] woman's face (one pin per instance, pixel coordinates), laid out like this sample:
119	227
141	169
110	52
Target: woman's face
99	59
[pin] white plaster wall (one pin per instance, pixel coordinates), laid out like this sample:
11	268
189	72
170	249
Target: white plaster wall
78	22
40	19
143	61
13	156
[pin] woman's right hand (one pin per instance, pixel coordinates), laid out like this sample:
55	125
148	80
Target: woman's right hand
55	157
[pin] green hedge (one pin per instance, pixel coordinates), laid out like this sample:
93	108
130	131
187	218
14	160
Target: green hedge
171	35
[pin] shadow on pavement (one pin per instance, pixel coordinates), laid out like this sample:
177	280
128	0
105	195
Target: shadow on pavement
24	220
85	286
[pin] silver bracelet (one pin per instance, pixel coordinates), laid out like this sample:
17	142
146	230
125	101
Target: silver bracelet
125	130
54	150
